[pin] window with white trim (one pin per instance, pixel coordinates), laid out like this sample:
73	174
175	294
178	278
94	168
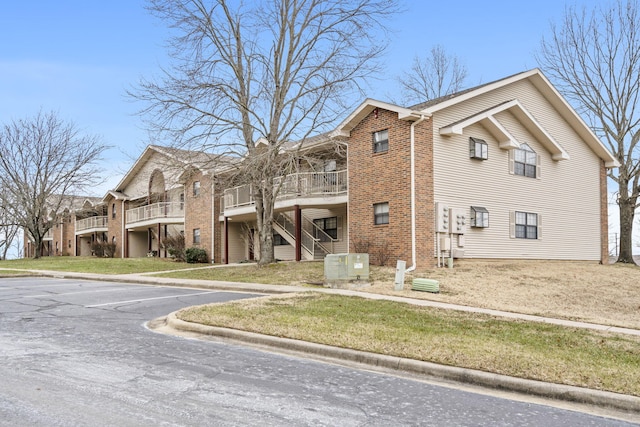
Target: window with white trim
478	148
278	240
525	161
196	236
479	217
381	141
526	225
329	226
196	188
381	213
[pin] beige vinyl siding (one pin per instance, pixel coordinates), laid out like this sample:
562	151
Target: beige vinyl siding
566	194
342	245
174	229
238	249
285	253
139	186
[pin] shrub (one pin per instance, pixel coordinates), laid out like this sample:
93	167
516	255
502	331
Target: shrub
382	254
196	255
103	249
361	246
175	246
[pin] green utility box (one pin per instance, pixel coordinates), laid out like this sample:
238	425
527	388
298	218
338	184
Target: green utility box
426	285
344	268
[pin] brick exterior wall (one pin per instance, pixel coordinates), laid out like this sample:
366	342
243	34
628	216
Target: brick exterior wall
57	232
425	204
218	230
68	234
198	212
114	225
61	232
386	177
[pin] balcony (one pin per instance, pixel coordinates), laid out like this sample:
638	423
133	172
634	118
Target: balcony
297	185
156	213
94	223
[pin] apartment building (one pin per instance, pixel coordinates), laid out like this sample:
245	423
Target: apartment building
503	170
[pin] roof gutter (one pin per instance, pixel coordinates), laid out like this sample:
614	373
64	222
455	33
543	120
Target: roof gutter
413	192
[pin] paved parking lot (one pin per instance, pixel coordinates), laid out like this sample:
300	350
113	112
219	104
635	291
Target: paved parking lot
76	352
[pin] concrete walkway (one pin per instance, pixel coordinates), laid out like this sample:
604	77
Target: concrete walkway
149	279
171	324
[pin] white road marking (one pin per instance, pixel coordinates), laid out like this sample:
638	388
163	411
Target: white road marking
81	292
147	299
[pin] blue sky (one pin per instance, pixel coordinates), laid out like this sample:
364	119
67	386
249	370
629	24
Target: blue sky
78	57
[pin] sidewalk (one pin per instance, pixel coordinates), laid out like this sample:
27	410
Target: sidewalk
424	370
148	279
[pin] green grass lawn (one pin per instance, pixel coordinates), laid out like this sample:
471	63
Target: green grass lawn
527	350
281	273
97	265
521	349
4	273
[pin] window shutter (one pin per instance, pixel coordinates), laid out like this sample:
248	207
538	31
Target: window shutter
512	224
511	161
537	166
539	227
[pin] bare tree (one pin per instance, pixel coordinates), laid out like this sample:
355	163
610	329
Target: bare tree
437	74
594	58
248	78
43	162
8	230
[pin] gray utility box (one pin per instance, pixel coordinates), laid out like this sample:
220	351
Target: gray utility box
346	267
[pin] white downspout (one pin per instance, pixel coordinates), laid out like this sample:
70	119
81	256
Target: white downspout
413	194
123	236
346	226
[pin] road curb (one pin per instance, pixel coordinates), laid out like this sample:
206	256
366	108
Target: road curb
427	370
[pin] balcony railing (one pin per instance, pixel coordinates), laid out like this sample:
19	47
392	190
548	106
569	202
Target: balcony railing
166	210
91	222
295	185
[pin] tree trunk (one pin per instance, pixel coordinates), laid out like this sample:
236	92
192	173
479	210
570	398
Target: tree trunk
627	213
264	216
267	255
37	244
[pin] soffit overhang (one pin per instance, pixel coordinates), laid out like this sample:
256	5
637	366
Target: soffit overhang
506	140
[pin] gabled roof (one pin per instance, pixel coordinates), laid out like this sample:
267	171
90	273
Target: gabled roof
542	84
367	106
183	158
505	139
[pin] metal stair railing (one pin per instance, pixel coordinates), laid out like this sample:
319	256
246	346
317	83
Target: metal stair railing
312	235
320	236
288	226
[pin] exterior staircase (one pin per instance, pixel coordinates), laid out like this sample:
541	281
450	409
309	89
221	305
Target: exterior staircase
315	243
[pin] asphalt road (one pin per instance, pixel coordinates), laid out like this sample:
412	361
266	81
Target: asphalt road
76	353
